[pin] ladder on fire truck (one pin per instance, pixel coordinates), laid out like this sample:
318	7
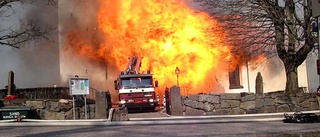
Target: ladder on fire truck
133	66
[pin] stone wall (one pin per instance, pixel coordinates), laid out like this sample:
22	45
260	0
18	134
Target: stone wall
198	104
60	110
244	103
53	109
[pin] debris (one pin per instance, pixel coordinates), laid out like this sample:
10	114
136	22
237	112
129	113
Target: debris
299	117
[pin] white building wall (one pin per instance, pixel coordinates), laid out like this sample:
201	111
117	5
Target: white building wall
273	74
313	77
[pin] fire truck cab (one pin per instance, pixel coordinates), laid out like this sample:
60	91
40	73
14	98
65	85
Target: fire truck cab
137	90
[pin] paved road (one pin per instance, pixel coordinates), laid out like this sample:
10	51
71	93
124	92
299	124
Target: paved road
141	114
157	125
173	130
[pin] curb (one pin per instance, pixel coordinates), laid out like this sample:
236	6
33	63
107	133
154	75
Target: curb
132	123
152	121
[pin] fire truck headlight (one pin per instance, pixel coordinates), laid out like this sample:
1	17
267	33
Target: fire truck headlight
151	100
122	101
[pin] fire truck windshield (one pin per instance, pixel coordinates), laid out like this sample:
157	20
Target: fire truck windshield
139	82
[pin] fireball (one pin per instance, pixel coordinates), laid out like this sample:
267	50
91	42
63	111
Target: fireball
166	33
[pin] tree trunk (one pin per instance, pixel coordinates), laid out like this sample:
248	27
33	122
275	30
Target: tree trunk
292	78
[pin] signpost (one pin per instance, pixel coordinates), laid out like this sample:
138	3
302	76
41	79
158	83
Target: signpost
79	87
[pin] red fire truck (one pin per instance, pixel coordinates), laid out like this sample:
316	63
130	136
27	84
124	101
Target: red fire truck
137	90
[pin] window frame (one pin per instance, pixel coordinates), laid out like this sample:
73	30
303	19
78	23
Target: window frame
235	78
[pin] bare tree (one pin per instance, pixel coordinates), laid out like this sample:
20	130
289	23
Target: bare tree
26	31
269	28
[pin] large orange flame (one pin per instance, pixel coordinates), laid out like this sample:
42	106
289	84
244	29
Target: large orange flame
167	33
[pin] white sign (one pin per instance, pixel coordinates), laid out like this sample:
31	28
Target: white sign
315	8
13	115
79	86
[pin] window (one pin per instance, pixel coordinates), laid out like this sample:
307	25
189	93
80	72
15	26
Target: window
234	79
134	82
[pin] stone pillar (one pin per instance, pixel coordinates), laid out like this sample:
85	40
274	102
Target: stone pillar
120	114
101	105
175	101
10	83
259	85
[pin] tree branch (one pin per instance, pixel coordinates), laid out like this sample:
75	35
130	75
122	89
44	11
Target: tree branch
17	35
